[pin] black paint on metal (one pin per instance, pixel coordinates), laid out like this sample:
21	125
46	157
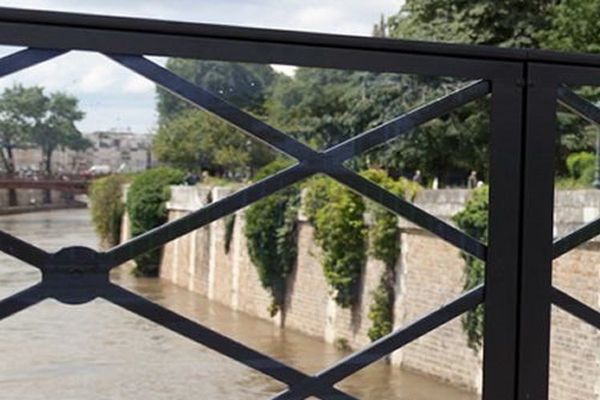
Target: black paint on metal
525	86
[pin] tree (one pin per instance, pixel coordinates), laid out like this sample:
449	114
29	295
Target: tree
553	24
18	107
55	127
244	85
29	117
507	23
192	139
323	107
573	26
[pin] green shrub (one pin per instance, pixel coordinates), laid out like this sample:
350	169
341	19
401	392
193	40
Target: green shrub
340	230
271	233
474	221
146	201
107	208
581	167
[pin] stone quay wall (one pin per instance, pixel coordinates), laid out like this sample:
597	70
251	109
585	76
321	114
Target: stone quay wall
429	274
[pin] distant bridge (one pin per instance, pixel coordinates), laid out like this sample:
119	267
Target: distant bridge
68	184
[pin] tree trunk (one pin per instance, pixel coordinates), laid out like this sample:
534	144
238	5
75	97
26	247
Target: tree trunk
12	197
9	166
48	171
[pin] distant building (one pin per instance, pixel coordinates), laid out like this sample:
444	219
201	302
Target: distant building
119	151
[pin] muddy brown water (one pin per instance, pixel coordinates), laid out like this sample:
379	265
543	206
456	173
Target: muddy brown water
98	351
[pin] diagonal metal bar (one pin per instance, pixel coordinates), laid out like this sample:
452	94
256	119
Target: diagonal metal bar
22	250
568	242
409	211
575	307
212	212
26	58
384	346
21	300
207	337
215	105
405	122
579	105
590	113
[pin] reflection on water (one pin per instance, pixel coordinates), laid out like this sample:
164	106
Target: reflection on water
98	351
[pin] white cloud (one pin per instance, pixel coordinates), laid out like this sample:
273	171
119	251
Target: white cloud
137	84
114	97
98	78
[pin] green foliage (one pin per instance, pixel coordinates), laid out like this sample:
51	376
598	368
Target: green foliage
384	231
107	208
146	200
573	26
510	23
384	237
381	311
340	230
195	140
324	107
474	221
337	214
30	117
271	233
581	167
244	85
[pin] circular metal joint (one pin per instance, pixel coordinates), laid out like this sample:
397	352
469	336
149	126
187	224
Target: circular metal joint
73	275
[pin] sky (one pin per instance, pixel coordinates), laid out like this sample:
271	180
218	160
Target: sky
116	99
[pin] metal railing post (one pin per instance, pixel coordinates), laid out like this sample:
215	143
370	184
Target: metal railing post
539	149
502	267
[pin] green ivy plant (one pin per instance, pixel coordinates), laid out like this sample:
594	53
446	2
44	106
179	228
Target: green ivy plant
107	208
473	219
340	230
146	206
271	233
384	238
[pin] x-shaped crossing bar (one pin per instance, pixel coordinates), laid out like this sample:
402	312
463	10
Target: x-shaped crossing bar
77	275
563	245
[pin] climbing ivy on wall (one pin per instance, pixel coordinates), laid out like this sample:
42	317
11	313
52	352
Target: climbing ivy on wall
384	238
337	214
473	219
340	231
271	233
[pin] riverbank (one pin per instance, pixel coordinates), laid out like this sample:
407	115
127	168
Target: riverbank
429	272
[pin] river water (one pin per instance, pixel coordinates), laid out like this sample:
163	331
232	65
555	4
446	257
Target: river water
98	351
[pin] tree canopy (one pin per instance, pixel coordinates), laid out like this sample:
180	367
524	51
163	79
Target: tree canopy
322	107
30	117
192	139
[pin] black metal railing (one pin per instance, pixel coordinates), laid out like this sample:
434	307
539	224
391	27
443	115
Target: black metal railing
525	88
